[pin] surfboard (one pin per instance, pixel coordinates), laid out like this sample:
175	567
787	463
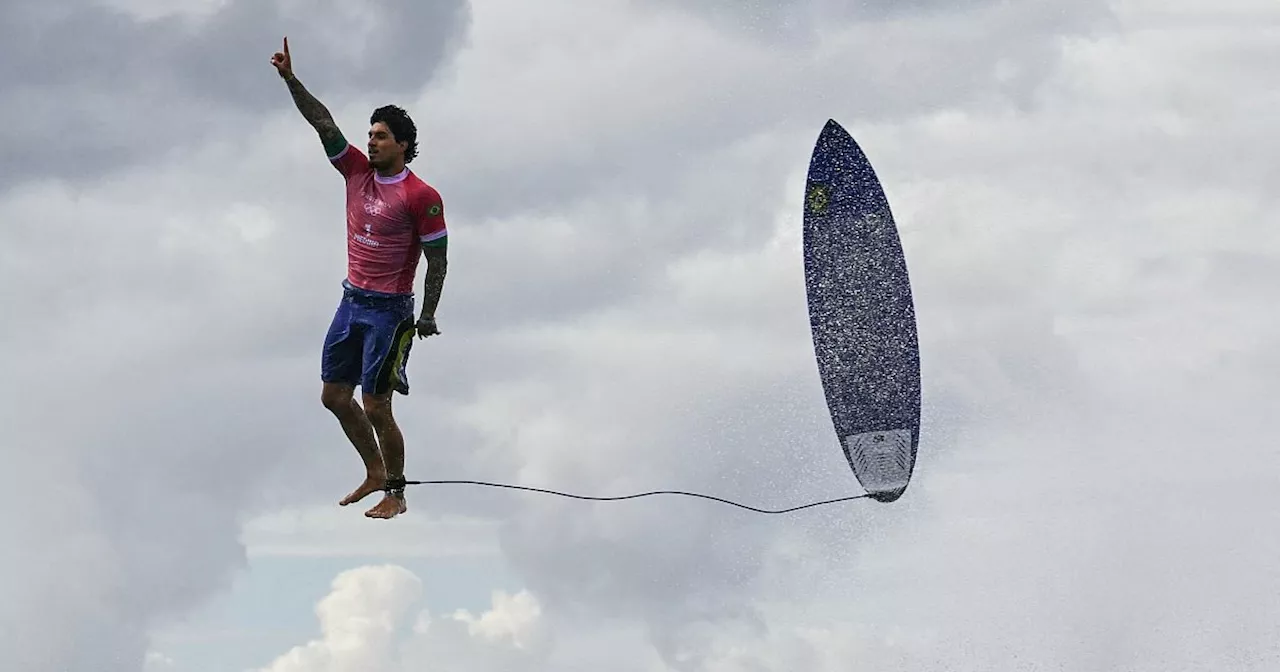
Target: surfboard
861	315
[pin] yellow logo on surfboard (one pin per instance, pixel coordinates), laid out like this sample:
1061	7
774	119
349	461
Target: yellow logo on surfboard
818	199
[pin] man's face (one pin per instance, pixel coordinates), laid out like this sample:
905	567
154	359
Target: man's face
383	149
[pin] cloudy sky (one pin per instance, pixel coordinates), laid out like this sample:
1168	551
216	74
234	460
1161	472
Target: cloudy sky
1087	196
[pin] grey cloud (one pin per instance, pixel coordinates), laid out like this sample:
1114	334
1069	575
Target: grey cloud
681	564
150	409
609	251
87	90
144	466
175	390
982	54
798	22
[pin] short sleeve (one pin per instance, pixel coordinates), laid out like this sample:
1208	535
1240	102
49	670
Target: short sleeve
429	218
349	161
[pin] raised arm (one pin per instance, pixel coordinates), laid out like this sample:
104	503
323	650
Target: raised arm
312	110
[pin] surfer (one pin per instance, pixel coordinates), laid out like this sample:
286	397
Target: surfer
391	215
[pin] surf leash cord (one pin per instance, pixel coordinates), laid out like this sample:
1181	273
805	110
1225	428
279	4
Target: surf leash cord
398	485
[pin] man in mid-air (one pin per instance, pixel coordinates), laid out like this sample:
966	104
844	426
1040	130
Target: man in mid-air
391	215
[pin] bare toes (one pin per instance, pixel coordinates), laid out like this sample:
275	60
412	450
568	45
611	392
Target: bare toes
370	486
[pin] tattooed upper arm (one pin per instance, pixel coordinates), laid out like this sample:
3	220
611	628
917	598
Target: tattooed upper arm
331	136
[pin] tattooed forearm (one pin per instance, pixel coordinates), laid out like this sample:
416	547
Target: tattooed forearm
437	268
313	111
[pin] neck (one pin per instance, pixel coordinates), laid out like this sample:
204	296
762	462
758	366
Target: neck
392	170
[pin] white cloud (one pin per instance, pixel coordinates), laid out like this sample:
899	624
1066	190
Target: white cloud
358	622
158	662
366	623
512	634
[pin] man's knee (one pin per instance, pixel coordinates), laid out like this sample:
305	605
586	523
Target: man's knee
378	408
337	397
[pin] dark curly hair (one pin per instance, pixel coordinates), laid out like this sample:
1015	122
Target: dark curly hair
402	128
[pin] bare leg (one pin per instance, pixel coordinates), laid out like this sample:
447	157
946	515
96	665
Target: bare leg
340	400
378	408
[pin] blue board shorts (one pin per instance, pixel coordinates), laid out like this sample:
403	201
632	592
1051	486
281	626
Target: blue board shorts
369	341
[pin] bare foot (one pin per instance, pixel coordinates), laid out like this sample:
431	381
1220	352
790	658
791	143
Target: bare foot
371	485
390	507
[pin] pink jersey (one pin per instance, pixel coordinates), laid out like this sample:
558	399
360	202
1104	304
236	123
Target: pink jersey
388	220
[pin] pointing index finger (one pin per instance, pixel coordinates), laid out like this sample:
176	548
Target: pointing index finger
286	45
